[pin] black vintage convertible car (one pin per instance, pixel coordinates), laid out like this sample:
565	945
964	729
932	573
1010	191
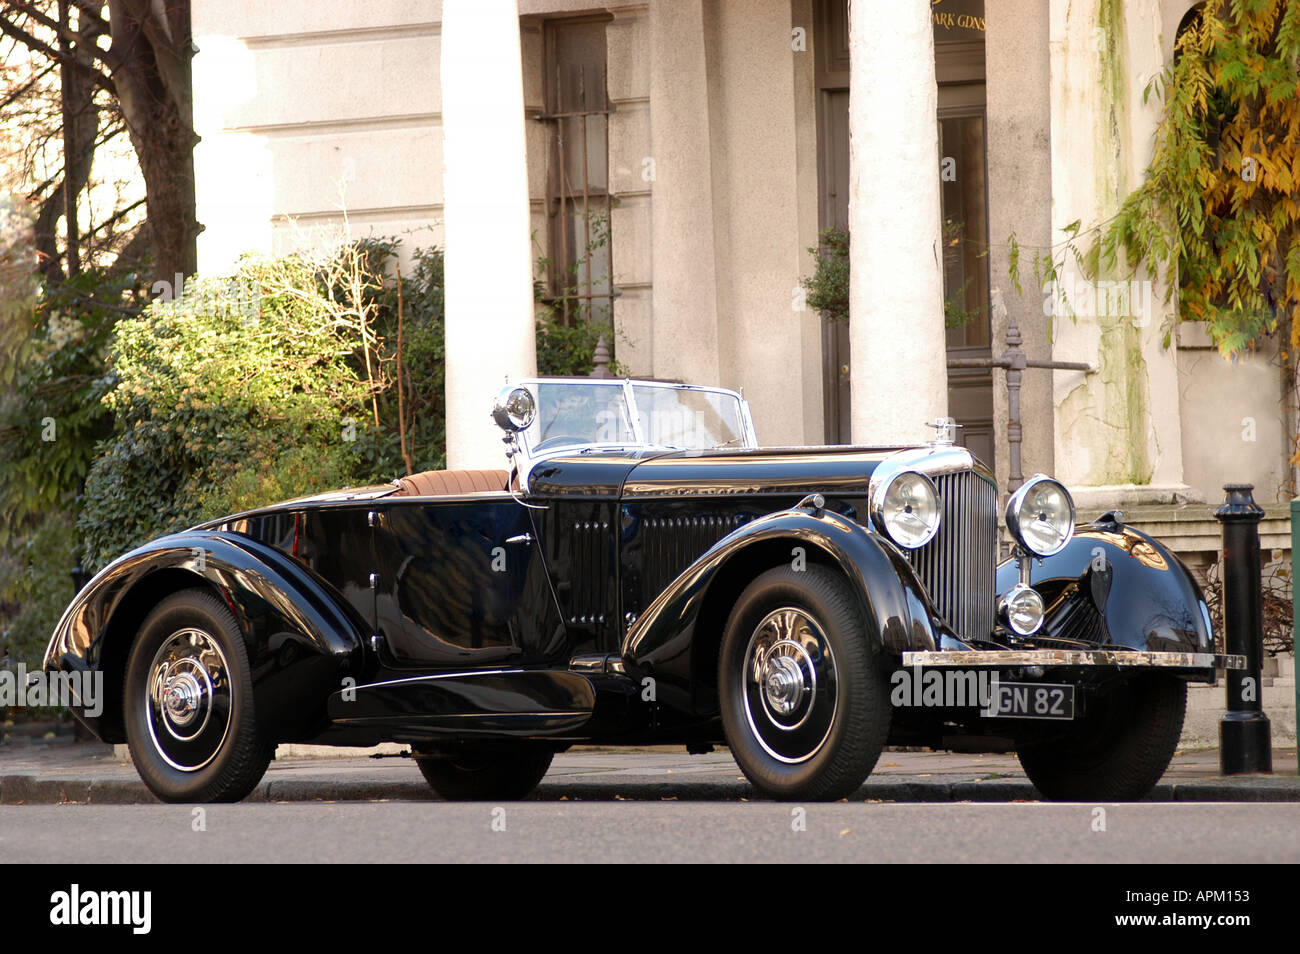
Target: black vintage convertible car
645	573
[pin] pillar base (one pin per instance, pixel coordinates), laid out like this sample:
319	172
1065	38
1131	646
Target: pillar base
1245	744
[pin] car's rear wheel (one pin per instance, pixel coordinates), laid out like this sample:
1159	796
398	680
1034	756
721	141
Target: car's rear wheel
804	699
487	772
1119	751
189	703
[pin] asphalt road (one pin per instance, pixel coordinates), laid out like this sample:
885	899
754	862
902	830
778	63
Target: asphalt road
653	831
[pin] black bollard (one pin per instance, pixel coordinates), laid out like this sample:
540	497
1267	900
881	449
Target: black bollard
1245	744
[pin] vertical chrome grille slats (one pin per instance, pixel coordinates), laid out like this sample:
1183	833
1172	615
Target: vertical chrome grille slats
957	567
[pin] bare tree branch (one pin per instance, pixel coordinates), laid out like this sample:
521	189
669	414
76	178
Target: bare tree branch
26	87
9	28
86	41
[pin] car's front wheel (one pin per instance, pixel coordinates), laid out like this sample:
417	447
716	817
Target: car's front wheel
1119	751
478	773
189	703
804	699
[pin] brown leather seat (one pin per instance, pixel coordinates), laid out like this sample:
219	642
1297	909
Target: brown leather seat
440	483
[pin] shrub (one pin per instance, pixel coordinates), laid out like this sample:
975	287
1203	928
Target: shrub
419	325
217	406
1278	629
53	416
38	584
828	288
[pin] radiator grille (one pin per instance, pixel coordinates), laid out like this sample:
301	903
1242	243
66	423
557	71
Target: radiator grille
959	564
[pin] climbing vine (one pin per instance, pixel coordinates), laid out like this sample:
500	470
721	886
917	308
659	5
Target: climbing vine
1218	206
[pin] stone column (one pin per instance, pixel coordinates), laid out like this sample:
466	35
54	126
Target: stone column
489	288
899	361
683	243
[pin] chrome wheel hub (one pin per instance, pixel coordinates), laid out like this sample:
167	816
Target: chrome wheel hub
188	701
181	698
789	685
185	696
785	677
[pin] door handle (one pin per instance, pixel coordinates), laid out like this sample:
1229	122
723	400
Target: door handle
526	538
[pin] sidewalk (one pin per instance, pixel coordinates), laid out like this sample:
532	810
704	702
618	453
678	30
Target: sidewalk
56	772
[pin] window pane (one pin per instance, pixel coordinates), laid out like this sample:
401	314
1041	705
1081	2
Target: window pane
965	268
573	413
681	417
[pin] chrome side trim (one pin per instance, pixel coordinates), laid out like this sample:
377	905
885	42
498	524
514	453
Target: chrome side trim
589	662
438	675
1071	657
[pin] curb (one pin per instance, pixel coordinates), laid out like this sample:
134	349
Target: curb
34	790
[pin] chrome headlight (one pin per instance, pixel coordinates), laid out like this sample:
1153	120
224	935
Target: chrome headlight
514	409
906	506
1040	516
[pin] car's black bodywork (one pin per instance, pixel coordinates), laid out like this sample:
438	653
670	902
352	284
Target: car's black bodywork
591	609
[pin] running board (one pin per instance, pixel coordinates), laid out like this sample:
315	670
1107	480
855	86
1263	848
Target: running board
488	702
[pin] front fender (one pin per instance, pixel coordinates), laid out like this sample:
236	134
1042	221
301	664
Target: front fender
1115	585
676	639
302	636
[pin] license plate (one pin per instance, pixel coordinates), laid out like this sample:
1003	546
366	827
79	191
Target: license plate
1031	700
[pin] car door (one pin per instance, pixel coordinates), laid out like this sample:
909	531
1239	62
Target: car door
461	582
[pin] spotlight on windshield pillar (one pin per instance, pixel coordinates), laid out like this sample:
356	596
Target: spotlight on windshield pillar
1244	741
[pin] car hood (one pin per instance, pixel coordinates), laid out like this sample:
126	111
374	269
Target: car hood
831	469
836	470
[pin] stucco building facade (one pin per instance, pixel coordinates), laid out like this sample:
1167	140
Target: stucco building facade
682	157
716	149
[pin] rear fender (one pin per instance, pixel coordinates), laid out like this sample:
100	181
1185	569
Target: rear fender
302	636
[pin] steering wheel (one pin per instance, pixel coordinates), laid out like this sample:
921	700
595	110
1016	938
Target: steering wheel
562	440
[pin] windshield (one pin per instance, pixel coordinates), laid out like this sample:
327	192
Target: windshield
577	412
573	413
681	417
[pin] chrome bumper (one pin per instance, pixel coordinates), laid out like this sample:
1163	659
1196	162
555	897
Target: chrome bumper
1071	657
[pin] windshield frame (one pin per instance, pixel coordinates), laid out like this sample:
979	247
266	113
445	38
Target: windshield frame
531	455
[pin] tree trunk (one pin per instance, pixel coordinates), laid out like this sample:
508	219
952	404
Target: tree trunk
153	48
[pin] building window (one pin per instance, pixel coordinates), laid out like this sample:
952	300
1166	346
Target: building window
578	200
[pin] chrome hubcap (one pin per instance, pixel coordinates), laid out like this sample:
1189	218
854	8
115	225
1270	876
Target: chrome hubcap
789	685
787	676
188	699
